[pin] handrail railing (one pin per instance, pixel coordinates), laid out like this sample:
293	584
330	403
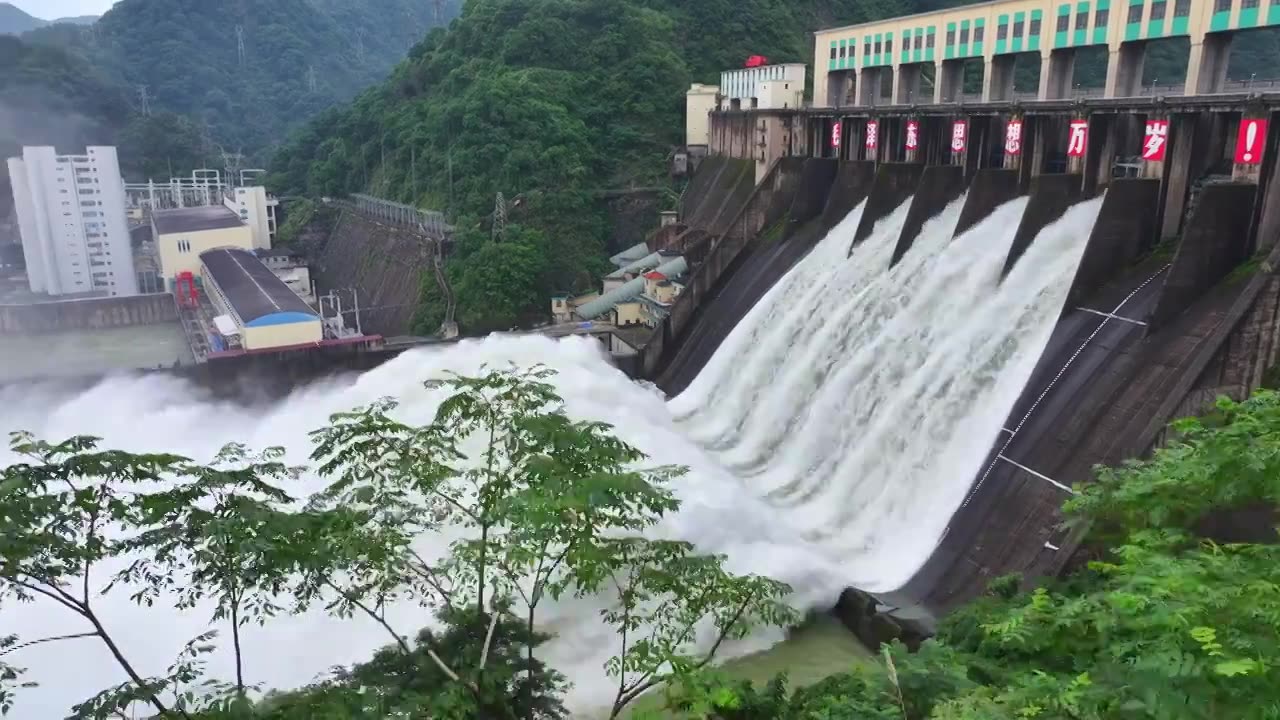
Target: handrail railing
429	221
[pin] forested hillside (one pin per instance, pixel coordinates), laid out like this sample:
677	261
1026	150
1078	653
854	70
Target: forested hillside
14	21
50	97
558	100
299	57
554	100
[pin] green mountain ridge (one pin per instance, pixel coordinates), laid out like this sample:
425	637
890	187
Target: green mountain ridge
299	57
16	21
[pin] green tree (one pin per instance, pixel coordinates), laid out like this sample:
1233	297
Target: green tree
552	505
539	507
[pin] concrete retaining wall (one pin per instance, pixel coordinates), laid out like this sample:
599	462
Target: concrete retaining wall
852	185
991	188
764	206
1051	195
1214	242
939	185
95	314
812	191
895	182
1127	225
386	264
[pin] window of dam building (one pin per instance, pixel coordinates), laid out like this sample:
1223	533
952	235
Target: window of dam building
92	352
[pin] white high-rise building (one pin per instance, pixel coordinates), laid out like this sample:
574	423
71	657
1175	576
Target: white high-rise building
71	214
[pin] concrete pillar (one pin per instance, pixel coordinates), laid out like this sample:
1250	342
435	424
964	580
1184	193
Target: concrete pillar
948	80
909	136
1104	134
1124	70
1013	161
1154	169
1269	221
869	86
907	88
1207	64
1182	136
1251	170
997	80
960	128
1057	70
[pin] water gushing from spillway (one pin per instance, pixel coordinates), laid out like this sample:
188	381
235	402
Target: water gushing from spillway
854	403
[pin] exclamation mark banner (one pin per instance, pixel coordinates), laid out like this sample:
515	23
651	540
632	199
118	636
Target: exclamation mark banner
1251	141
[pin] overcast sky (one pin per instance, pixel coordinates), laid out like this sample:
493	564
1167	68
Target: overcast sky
51	9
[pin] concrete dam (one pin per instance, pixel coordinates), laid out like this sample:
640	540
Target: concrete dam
887	369
1166	298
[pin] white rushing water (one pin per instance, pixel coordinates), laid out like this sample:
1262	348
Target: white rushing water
853	404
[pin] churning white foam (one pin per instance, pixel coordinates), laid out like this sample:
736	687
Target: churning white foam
853	404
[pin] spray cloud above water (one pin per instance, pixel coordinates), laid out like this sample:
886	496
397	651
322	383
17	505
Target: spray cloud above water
829	440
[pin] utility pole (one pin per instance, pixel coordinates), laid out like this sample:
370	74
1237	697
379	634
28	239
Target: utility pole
240	43
145	99
413	172
499	217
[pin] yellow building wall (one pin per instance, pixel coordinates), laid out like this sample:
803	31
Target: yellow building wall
300	333
629	313
1201	20
175	258
700	100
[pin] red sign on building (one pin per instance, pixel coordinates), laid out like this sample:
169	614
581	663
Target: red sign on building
1078	140
1250	141
835	135
1013	138
959	133
873	134
1156	140
913	135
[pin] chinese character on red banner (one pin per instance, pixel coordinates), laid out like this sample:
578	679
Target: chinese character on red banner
835	135
913	135
958	131
1078	140
1013	138
1156	140
873	134
1250	141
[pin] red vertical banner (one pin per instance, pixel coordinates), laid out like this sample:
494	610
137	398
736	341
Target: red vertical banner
1155	141
913	135
1013	138
1250	141
873	134
835	135
959	134
1078	138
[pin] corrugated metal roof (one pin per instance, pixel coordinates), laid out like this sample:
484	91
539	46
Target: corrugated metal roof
627	291
197	219
255	293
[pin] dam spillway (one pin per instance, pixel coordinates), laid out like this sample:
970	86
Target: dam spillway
898	381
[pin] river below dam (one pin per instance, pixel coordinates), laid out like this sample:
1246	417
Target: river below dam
828	441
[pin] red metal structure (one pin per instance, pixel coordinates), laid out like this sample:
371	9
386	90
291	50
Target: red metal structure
184	289
757	61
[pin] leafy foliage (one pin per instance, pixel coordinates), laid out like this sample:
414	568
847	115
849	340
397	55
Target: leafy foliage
1168	626
538	506
550	101
345	45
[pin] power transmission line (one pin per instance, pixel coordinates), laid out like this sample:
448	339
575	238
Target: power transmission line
240	44
145	99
